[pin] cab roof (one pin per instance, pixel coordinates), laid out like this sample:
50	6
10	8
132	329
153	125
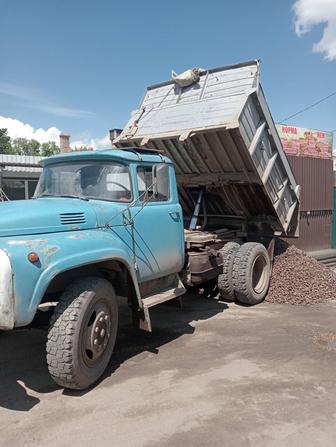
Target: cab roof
129	154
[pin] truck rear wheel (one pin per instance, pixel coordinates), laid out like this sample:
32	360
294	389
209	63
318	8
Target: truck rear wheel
225	280
82	333
251	273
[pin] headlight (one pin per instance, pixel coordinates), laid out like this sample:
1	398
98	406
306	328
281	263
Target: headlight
6	292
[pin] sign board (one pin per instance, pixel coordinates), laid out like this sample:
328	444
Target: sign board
304	142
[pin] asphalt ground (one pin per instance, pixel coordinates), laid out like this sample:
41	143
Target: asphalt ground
212	373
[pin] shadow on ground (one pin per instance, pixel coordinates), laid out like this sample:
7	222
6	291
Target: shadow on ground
23	364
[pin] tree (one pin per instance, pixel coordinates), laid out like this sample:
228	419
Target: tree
34	147
22	146
49	148
5	143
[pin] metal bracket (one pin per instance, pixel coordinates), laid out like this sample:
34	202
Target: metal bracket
194	219
145	323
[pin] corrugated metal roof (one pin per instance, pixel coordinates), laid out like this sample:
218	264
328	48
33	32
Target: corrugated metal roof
27	159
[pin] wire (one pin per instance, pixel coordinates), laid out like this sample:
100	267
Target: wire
309	107
130	205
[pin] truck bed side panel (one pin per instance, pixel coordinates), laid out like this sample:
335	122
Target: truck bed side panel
220	134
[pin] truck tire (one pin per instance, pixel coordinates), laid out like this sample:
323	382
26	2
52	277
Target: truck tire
251	273
225	280
82	333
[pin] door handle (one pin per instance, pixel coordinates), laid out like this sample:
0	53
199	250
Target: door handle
174	215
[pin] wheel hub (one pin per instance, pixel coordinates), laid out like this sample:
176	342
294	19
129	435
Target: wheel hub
98	335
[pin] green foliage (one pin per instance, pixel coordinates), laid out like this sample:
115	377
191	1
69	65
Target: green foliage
49	148
5	143
23	146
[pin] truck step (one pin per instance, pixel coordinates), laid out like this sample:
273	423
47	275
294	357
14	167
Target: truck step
158	298
161	297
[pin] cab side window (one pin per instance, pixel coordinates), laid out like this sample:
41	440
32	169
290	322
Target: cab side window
145	180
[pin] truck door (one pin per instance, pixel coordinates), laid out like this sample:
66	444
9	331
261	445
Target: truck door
158	222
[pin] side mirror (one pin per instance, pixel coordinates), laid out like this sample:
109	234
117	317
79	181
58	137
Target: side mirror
160	174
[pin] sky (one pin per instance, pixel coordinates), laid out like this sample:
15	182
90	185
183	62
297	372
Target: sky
82	66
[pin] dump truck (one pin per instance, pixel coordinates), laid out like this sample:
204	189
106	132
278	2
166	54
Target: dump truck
194	192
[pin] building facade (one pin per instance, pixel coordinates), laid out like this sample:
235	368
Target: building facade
19	175
309	152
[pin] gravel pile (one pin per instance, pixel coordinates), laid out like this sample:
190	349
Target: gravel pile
298	278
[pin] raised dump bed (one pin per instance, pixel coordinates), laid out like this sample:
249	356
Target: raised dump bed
220	134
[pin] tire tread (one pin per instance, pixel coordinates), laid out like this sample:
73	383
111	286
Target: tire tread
225	280
62	328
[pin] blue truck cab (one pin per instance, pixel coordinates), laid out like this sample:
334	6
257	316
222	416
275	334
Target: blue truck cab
103	220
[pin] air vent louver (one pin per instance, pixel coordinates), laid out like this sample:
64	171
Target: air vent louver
72	218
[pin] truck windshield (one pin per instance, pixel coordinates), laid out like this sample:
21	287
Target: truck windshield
86	180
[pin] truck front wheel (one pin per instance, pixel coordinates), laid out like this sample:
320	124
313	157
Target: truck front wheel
251	273
82	333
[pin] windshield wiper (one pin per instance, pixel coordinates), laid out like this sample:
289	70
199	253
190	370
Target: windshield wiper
45	194
70	196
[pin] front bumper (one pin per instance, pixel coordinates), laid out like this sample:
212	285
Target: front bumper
6	293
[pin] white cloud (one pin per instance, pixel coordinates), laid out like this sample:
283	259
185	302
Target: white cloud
103	143
35	99
309	13
65	111
96	143
18	129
